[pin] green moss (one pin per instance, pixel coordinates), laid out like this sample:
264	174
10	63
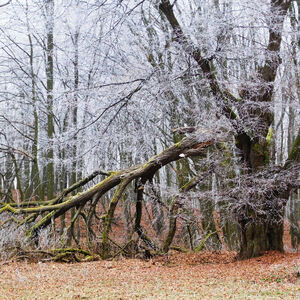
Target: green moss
258	149
82	251
185	186
145	165
263	149
151	159
48	216
225	163
112	173
9	208
203	241
269	136
294	155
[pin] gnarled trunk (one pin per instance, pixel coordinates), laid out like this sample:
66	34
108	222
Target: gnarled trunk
259	235
261	223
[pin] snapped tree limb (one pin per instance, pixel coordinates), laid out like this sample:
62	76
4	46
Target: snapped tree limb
190	146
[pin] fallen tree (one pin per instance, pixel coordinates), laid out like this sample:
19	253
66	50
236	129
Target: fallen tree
40	215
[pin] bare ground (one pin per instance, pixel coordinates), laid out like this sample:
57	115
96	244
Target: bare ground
179	276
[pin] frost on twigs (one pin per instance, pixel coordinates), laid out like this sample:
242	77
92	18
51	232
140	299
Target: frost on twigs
12	239
263	193
82	204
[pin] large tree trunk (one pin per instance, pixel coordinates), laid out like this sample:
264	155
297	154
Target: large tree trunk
258	234
262	220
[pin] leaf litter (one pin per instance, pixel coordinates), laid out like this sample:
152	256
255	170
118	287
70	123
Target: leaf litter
203	275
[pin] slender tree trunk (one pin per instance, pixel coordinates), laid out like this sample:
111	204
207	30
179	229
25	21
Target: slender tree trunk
35	174
50	85
75	228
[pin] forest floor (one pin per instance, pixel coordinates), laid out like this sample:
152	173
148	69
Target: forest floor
178	276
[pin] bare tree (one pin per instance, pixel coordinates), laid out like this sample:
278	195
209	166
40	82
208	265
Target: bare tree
258	234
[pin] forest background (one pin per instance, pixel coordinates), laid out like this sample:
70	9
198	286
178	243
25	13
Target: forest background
124	123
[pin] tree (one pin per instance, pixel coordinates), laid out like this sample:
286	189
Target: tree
258	233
